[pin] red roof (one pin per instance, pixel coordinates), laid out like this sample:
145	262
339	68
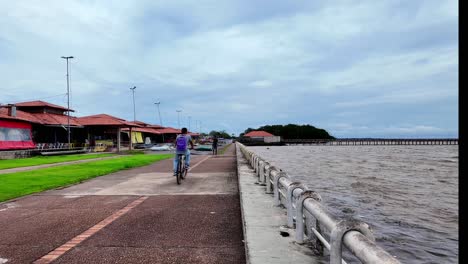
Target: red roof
104	120
144	130
155	126
159	131
20	115
135	124
39	118
169	130
140	123
42	104
258	134
54	119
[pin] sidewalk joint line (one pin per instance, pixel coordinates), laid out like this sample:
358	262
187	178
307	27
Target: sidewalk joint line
56	253
198	163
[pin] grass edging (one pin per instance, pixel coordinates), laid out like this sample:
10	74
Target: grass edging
13	185
41	160
224	149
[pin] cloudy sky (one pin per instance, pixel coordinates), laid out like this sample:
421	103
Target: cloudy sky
355	68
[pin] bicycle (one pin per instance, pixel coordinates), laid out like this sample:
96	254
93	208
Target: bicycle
181	169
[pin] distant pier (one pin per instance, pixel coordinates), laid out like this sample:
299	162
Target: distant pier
372	141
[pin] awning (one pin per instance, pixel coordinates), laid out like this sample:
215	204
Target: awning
15	135
137	137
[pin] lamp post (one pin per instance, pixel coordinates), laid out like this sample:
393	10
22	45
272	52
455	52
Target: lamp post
160	120
178	118
159	113
134	113
68	99
189	122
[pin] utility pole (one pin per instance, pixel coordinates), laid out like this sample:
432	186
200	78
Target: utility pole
134	113
178	118
68	99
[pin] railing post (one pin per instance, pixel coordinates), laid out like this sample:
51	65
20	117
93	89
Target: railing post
260	170
269	188
300	212
290	193
254	156
338	232
276	186
257	160
263	174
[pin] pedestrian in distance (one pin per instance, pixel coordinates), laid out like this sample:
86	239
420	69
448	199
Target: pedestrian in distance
214	145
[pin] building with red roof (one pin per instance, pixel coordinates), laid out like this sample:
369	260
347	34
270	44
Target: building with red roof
258	134
46	122
15	129
46	125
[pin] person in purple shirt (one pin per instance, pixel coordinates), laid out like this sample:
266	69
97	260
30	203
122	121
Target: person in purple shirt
182	142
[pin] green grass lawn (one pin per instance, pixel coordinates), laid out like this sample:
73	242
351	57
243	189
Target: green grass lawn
18	184
16	163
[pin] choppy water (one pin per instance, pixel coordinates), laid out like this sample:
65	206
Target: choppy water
408	194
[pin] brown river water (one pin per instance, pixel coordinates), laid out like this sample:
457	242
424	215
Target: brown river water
407	194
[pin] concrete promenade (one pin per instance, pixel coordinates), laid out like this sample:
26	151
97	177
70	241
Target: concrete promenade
268	240
134	216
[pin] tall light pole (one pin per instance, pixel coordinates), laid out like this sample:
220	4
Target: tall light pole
178	118
68	99
159	113
189	122
134	113
160	120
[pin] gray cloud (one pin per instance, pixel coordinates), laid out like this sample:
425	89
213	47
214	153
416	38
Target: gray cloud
242	64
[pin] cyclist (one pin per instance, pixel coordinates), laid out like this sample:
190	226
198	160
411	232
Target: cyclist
181	143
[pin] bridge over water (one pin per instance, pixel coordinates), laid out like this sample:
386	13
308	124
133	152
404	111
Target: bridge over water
373	141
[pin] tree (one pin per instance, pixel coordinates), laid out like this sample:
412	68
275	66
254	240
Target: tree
219	134
293	131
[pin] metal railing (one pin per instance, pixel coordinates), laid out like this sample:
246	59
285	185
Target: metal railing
298	199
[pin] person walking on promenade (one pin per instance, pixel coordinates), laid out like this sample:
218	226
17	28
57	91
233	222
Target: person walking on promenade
214	146
182	141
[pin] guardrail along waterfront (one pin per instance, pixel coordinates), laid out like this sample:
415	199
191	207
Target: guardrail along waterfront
312	222
374	141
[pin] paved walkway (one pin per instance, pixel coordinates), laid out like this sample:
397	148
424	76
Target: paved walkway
134	216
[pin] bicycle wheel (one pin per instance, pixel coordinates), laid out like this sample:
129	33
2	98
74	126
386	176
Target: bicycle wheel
183	170
179	170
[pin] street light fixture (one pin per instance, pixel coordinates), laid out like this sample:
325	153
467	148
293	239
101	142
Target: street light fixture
68	99
134	113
